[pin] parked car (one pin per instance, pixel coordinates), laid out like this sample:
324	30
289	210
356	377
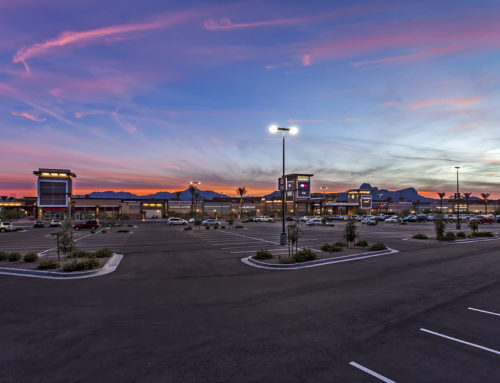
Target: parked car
484	219
292	219
176	221
263	218
6	226
210	222
498	218
92	224
55	223
369	221
393	219
315	222
410	218
38	224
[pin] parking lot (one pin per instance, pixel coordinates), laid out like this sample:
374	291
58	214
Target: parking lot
183	307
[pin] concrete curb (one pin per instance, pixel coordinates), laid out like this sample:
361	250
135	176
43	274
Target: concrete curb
250	261
110	266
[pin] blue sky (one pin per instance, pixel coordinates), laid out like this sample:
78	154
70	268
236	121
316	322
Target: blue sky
150	95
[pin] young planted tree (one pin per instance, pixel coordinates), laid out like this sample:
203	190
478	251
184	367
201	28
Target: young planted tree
241	192
350	232
467	197
485	199
66	242
441	196
440	227
294	233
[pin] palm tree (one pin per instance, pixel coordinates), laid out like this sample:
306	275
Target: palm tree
241	191
178	195
441	196
485	198
196	197
467	196
192	190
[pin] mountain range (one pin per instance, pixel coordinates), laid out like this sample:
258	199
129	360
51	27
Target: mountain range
408	194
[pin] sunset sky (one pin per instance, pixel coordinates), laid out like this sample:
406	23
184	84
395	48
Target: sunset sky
148	95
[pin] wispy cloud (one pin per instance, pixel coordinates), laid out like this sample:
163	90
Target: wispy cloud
452	102
294	121
28	116
69	38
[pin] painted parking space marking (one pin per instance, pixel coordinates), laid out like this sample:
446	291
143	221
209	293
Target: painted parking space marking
461	341
372	373
256	239
484	311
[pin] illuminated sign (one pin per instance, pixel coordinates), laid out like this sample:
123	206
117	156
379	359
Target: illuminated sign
303	189
366	202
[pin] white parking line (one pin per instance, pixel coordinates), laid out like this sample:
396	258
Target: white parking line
257	239
253	251
372	373
483	311
461	341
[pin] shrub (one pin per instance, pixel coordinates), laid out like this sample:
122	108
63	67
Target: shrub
187	228
340	244
474	226
87	264
238	227
461	234
420	236
103	253
362	243
263	254
449	236
123	231
14	257
223	227
207	227
103	231
483	234
55	233
3	256
130	225
331	248
48	264
78	253
402	223
92	231
30	257
378	246
216	227
304	255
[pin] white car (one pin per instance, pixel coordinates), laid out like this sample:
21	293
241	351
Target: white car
210	222
55	223
263	219
315	222
176	221
6	226
392	219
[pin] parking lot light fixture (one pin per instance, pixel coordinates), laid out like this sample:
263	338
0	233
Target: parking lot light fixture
457	202
292	130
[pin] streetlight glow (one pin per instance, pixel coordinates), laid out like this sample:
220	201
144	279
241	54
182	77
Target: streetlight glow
294	130
273	129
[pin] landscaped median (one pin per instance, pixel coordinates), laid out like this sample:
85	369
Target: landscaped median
305	258
80	264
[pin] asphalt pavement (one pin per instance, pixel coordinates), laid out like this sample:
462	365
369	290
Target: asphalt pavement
181	307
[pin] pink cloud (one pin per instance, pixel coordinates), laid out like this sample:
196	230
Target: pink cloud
72	38
28	116
453	102
423	54
349	119
306	60
391	104
465	127
294	121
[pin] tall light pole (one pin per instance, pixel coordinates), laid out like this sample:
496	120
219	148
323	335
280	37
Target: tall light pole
292	130
457	201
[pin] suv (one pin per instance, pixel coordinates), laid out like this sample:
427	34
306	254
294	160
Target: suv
6	226
86	225
210	222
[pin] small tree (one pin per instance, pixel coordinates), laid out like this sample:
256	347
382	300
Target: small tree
66	242
294	233
350	232
474	226
192	190
440	227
